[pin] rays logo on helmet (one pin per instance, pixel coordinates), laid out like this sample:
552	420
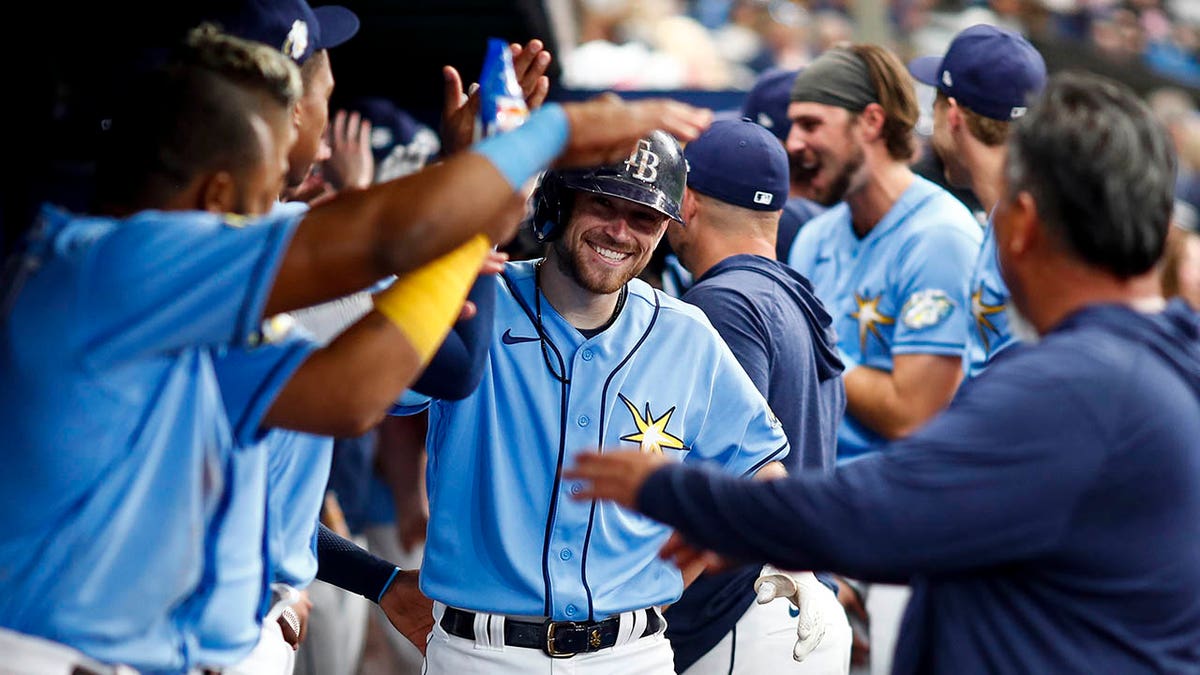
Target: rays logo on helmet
645	161
927	308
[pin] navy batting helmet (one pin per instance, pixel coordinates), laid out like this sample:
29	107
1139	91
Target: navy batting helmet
654	175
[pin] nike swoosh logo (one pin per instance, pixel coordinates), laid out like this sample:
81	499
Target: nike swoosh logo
509	339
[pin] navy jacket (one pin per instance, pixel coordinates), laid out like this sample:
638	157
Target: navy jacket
1049	520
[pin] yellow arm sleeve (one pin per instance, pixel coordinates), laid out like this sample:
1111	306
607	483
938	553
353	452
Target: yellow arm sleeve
425	303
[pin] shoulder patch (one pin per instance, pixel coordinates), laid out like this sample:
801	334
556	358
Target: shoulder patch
926	308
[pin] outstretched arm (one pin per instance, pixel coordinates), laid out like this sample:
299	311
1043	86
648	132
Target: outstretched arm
349	242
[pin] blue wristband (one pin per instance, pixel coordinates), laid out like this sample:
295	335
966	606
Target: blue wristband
387	585
530	148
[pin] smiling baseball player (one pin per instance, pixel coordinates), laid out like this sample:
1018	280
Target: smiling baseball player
583	355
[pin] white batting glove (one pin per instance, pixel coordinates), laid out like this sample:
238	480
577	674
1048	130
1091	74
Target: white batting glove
798	588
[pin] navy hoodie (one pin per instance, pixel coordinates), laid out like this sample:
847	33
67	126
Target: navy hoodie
1048	521
783	337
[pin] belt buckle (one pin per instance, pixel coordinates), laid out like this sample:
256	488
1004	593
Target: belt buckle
578	638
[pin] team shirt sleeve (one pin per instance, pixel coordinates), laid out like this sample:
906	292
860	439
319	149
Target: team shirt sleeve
934	271
162	282
740	432
251	380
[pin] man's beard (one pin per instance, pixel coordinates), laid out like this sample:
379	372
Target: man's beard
569	264
840	185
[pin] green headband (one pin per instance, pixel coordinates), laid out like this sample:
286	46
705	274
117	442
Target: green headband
839	77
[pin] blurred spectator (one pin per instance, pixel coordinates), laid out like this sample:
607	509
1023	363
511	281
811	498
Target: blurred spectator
1181	260
1177	112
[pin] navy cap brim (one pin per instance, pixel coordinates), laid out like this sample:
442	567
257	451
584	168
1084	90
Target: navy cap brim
337	23
925	69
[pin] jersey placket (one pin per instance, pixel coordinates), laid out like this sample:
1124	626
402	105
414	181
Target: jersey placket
570	597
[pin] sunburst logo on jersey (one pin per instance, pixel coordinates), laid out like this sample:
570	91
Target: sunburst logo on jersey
652	433
869	319
982	311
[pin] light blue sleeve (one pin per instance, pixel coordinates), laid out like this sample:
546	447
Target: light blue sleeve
740	432
251	379
164	281
932	277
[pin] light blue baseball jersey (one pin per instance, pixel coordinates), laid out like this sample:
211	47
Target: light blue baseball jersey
988	332
504	534
902	289
297	471
114	425
239	564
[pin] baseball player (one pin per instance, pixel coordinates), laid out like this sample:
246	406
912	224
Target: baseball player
983	83
767	103
583	354
109	398
1050	517
781	335
890	261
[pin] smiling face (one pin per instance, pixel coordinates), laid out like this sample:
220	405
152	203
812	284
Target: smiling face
607	242
825	156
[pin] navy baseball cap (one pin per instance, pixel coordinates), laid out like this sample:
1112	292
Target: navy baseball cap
291	26
767	102
739	162
990	70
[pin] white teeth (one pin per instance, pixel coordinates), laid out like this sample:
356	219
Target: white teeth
609	254
808	166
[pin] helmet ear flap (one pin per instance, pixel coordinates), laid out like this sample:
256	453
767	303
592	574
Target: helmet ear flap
549	207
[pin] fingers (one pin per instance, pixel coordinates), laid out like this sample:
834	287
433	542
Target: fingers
535	99
364	147
530	64
494	263
354	128
452	91
338	130
468	311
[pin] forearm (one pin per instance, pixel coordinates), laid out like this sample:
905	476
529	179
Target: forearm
800	522
350	567
347	388
457	368
892	408
343	389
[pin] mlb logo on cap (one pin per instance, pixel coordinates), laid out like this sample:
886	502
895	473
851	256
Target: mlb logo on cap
739	163
990	70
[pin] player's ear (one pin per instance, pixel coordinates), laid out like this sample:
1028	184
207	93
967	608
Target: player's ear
688	209
1025	227
871	120
218	193
953	114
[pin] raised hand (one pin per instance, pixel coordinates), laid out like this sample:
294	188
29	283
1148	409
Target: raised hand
460	109
605	129
350	163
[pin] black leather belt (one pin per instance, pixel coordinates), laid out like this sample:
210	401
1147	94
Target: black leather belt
558	639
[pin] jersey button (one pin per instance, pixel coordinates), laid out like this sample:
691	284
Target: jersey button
565	554
587	355
571	610
584	420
